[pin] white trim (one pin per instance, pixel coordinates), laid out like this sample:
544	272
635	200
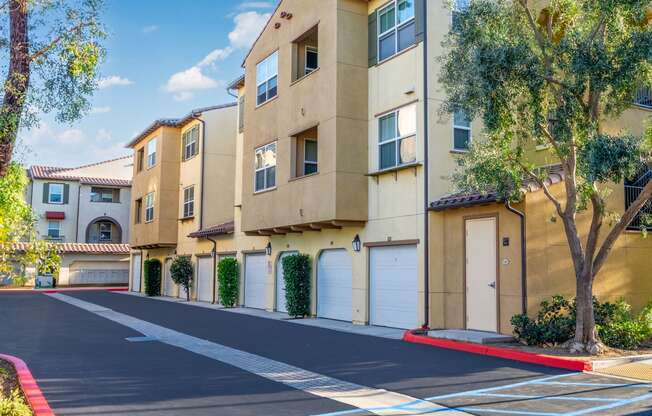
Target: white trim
306	69
147	206
58	228
63	187
467	128
189	202
395	29
191	144
266	80
264	168
151	157
305	157
397	138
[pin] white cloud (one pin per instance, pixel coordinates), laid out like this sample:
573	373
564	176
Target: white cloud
256	5
189	80
215	55
112	81
103	135
248	26
149	29
183	96
100	110
70	136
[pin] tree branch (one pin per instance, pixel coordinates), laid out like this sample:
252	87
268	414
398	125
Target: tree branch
75	29
543	186
594	231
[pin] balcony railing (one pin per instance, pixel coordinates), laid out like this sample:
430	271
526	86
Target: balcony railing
643	97
632	191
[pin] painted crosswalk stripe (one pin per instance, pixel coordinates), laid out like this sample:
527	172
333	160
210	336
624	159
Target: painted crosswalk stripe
371	400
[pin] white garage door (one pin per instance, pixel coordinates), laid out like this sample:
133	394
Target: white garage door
135	273
90	276
205	279
280	282
170	287
393	286
334	293
254	280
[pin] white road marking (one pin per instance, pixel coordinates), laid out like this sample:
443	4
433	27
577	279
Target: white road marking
376	401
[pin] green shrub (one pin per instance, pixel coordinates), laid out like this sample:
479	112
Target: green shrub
296	272
228	277
14	405
152	274
553	325
181	271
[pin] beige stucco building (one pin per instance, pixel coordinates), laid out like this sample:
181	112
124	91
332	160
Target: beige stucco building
336	149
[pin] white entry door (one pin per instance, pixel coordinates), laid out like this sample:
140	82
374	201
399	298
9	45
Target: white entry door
481	302
334	285
170	287
205	278
135	272
254	280
393	291
280	282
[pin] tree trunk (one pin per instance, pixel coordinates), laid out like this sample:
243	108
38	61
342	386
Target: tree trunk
16	84
586	337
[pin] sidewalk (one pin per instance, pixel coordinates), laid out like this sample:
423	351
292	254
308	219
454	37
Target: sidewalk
341	326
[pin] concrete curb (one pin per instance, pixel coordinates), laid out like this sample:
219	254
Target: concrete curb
505	353
31	390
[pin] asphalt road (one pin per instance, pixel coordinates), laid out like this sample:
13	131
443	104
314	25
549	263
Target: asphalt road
86	366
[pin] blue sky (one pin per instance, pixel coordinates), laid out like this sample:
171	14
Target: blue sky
164	58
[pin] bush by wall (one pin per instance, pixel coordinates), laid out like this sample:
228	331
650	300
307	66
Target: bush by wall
14	405
152	274
554	324
297	272
228	277
181	271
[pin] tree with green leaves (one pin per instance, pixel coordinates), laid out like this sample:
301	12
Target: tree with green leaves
552	73
182	271
54	49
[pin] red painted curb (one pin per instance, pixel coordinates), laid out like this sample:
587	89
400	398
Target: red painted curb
506	353
67	289
32	392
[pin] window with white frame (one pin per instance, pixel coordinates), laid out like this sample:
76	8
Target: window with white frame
265	167
105	229
266	79
397	139
151	153
190	142
149	207
55	193
54	229
105	194
189	202
312	59
458	6
461	131
309	156
396	28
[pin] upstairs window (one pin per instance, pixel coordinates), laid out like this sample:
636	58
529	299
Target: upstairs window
305	54
397	137
151	153
105	228
55	193
138	211
189	202
266	79
304	153
190	142
105	195
149	207
461	131
458	7
265	167
312	59
140	159
396	28
54	230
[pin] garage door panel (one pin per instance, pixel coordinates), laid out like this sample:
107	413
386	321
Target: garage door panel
393	286
205	279
135	273
255	278
170	287
334	285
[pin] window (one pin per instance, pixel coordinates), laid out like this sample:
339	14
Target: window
312	59
189	202
55	193
140	157
265	167
309	157
458	6
397	137
54	229
149	207
138	210
305	53
461	131
105	195
190	139
266	79
151	153
396	28
105	231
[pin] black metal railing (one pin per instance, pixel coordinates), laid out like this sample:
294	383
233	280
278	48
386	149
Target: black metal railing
643	97
633	189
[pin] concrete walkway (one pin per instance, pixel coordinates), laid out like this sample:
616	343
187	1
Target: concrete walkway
341	326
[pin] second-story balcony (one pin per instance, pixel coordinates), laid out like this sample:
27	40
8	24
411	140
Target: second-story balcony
643	97
633	189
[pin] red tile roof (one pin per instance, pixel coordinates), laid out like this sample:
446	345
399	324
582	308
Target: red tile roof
83	248
53	172
220	229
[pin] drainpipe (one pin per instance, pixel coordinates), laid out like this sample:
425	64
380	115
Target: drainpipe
523	255
77	216
201	179
214	255
426	245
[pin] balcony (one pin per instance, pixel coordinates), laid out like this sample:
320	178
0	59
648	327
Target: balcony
643	97
633	189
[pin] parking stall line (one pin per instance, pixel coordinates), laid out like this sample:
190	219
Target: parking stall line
552	397
611	406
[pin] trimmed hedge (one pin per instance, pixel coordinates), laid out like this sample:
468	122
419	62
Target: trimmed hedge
152	274
228	277
181	272
297	273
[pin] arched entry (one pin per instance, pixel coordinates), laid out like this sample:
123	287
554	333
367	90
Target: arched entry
104	230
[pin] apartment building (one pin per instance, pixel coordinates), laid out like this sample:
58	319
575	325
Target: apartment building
85	211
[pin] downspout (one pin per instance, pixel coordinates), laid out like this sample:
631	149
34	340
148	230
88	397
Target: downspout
77	220
426	230
228	91
214	255
523	255
201	179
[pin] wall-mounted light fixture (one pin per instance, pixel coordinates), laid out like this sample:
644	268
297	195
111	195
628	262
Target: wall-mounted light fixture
268	249
356	244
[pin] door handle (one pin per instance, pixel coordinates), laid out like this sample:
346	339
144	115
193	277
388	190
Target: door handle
492	285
